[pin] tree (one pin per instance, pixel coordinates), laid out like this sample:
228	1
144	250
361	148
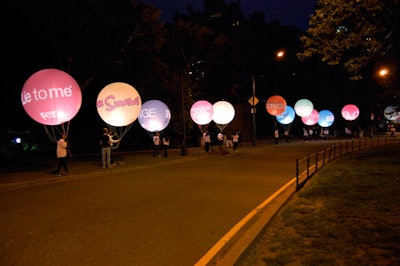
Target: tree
350	33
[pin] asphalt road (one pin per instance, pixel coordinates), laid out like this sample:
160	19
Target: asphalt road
145	211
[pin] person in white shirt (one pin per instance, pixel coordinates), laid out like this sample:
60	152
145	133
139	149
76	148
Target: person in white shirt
207	141
62	146
220	138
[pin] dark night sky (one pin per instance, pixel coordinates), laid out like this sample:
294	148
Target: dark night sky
288	12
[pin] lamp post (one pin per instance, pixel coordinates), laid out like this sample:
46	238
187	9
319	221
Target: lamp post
184	150
253	111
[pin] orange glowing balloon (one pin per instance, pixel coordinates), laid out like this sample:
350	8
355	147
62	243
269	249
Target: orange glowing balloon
275	105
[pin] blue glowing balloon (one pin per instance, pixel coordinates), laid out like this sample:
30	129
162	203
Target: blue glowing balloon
287	116
154	116
326	118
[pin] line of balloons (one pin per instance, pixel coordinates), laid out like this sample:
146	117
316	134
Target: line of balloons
119	105
52	97
276	105
203	113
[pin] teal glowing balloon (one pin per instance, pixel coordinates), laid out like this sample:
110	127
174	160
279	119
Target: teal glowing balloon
303	107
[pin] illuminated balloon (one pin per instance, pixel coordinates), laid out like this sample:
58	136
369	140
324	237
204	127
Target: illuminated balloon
275	105
311	119
303	107
154	116
392	113
326	118
350	112
51	97
223	112
118	104
201	112
287	116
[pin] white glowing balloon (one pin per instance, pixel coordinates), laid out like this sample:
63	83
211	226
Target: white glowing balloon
392	113
118	104
223	112
201	112
154	116
303	107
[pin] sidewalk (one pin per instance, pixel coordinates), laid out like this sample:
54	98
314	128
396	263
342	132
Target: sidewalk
39	170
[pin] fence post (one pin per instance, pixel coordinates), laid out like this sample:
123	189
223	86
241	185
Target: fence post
297	174
334	151
308	166
316	161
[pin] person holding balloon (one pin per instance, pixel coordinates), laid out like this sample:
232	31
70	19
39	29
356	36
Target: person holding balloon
106	143
235	140
156	144
61	152
165	145
207	141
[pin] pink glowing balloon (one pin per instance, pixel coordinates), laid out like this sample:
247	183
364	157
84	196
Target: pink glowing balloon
51	97
311	119
118	104
201	112
350	112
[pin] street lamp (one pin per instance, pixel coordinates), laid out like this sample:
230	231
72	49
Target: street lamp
184	150
280	54
253	111
383	72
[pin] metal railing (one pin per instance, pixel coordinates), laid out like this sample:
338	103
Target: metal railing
308	166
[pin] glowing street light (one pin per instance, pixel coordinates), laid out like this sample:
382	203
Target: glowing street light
383	72
280	54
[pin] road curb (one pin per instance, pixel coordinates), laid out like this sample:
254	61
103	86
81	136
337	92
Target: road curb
230	247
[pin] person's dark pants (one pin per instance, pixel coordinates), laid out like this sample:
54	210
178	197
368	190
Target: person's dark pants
207	146
62	162
165	151
156	150
235	145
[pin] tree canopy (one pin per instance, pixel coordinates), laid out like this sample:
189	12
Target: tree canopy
351	33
